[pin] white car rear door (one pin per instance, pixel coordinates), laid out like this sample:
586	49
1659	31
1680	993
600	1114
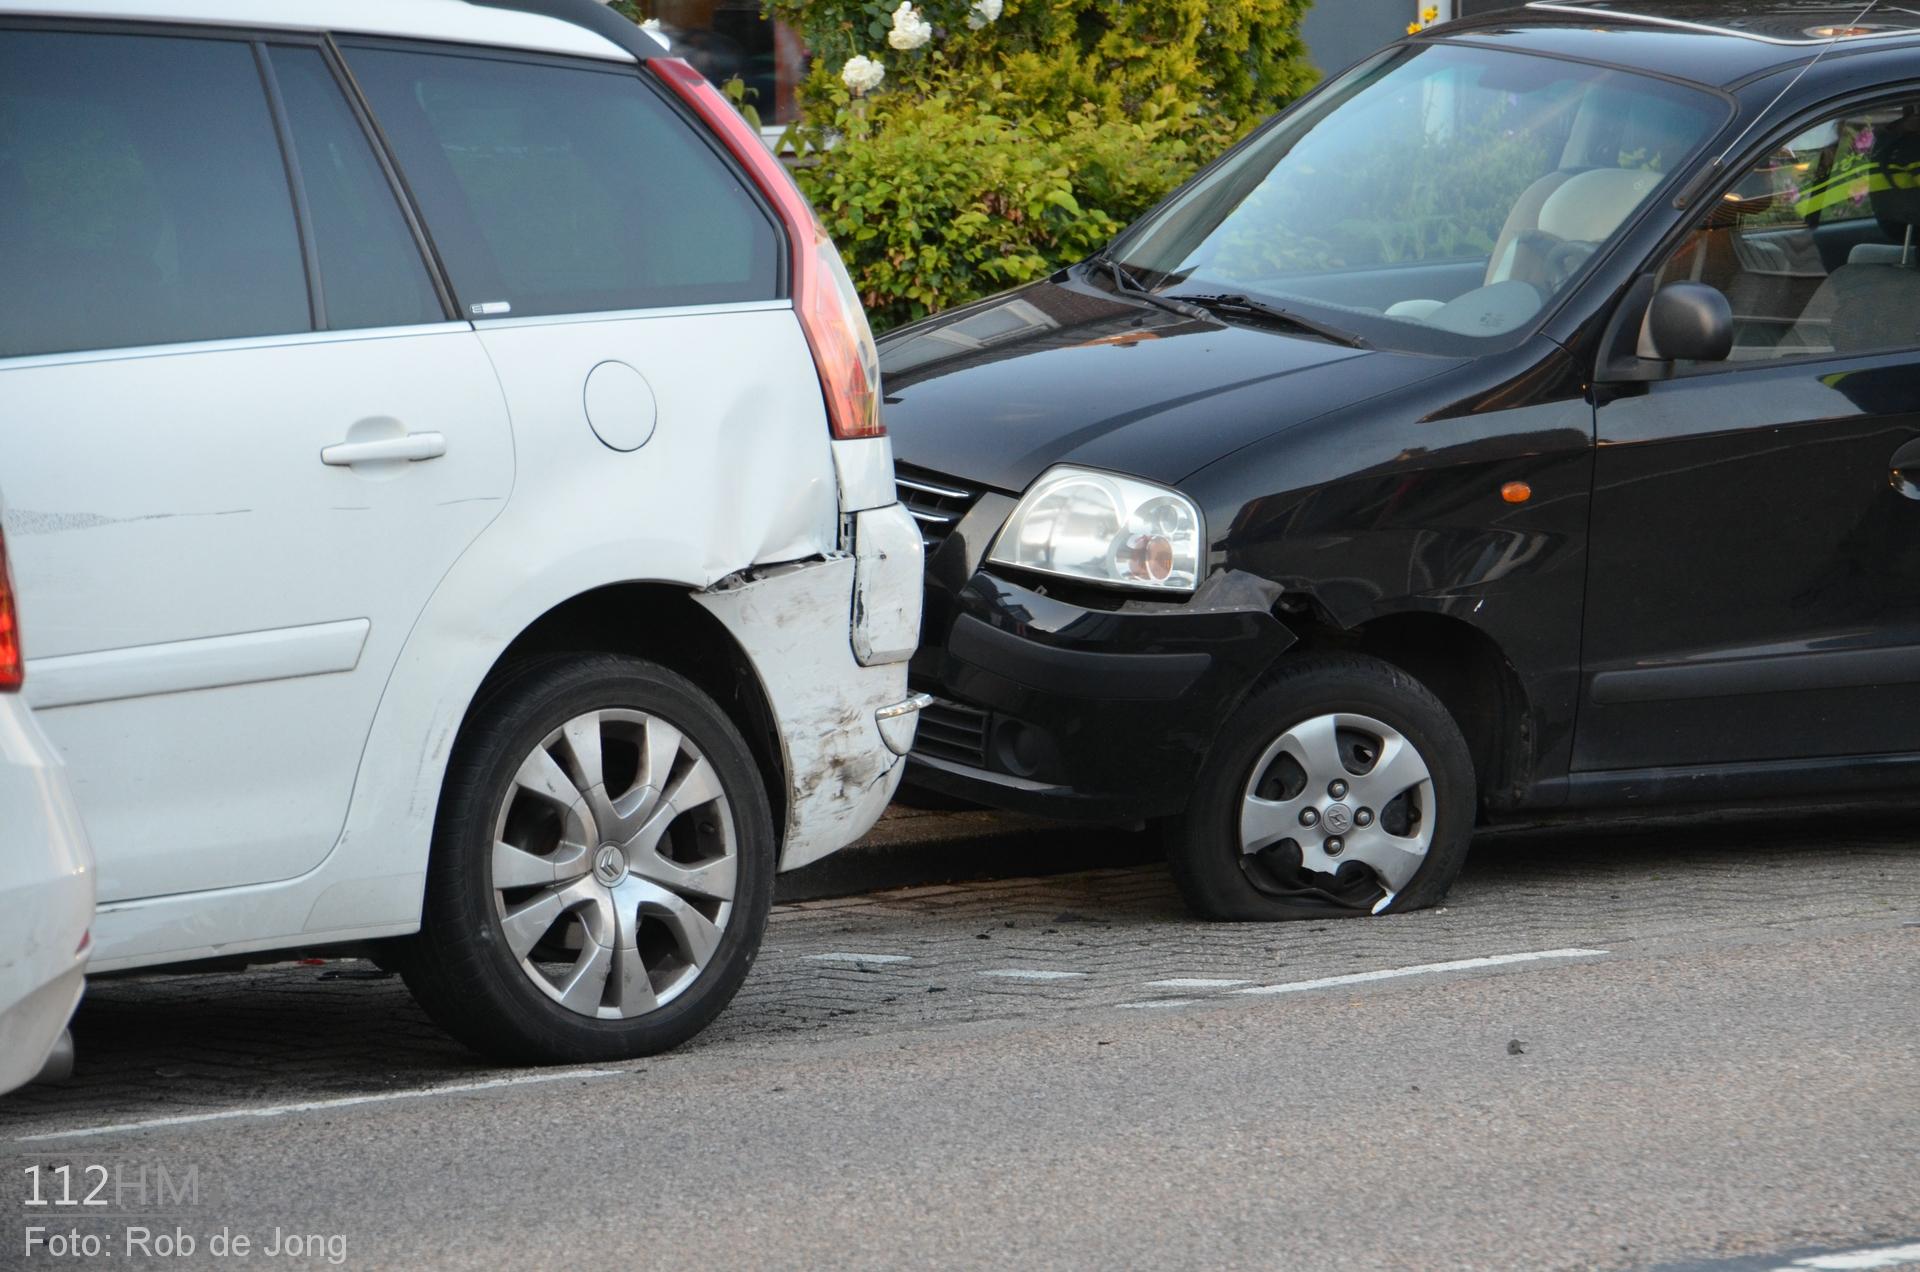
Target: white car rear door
242	437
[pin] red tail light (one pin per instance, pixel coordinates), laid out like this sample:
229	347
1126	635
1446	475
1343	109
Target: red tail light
13	664
823	295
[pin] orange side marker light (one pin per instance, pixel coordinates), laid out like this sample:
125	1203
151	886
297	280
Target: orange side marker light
1516	492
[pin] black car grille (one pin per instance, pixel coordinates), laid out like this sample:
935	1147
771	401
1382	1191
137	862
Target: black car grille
949	731
936	502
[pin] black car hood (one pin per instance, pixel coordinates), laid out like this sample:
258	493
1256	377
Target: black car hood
1064	372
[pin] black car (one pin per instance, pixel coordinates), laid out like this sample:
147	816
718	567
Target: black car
1527	419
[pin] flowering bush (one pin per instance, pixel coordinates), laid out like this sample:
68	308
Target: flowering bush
958	147
910	30
862	75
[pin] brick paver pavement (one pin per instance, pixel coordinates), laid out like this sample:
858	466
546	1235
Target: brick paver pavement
168	1045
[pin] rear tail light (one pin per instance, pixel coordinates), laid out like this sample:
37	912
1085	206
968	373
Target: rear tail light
823	295
13	664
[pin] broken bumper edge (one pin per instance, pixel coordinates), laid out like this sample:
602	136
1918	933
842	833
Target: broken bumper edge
843	728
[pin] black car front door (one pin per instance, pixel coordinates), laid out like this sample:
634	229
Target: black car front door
1754	588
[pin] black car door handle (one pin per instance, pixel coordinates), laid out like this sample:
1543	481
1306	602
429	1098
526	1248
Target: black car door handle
1906	469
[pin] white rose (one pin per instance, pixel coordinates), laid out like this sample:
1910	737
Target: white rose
910	30
862	75
983	12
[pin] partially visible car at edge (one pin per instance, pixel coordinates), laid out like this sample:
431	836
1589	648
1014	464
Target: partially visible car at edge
46	878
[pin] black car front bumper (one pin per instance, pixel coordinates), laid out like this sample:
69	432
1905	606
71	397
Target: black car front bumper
1076	706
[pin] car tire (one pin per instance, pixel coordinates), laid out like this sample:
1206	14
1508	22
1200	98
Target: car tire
577	767
1318	792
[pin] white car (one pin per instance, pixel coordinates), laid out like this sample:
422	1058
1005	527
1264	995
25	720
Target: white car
46	880
447	478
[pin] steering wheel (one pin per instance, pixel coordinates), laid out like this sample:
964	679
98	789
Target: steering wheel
1563	262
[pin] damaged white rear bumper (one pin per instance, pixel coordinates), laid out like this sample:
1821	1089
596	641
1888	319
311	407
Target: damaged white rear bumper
838	689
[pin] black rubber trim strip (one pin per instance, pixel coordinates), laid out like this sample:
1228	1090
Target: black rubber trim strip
1820	779
381	147
296	187
977	774
1778	673
1022	795
592	15
1074	672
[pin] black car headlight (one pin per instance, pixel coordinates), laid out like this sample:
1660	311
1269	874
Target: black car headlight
1102	528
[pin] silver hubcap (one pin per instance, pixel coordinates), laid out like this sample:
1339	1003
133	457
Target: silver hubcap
614	864
1355	768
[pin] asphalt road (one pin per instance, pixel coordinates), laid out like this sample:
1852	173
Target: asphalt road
1648	1049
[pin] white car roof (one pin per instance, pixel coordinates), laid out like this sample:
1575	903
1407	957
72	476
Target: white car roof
453	20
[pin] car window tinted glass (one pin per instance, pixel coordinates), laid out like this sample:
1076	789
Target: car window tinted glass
143	196
1436	198
556	190
371	273
1814	247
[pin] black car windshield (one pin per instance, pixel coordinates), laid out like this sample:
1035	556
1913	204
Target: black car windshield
1435	199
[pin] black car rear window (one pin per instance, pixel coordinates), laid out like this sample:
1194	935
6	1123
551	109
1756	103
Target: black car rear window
558	189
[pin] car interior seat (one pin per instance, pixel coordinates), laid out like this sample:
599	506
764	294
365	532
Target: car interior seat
1573	220
1522	224
1873	300
1554	226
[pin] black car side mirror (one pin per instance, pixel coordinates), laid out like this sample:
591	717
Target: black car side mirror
1687	322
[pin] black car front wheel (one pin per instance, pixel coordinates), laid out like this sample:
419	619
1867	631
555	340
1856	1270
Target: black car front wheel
1342	787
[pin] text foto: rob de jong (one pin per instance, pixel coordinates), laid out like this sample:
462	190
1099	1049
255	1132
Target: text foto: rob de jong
178	1243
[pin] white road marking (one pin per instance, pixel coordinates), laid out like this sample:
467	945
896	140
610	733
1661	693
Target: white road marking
1850	1260
1030	974
843	956
1193	982
1422	969
311	1106
1161	1002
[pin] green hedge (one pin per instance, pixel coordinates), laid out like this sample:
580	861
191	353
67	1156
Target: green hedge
995	151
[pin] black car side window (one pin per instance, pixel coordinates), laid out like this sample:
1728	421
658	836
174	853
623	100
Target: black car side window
1816	247
143	197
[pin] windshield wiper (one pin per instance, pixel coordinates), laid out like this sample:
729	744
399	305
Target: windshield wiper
1247	306
1125	282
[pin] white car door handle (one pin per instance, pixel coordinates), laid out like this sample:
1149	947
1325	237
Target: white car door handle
414	446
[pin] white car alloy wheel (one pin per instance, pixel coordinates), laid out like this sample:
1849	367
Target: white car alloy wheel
602	868
614	864
1342	788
